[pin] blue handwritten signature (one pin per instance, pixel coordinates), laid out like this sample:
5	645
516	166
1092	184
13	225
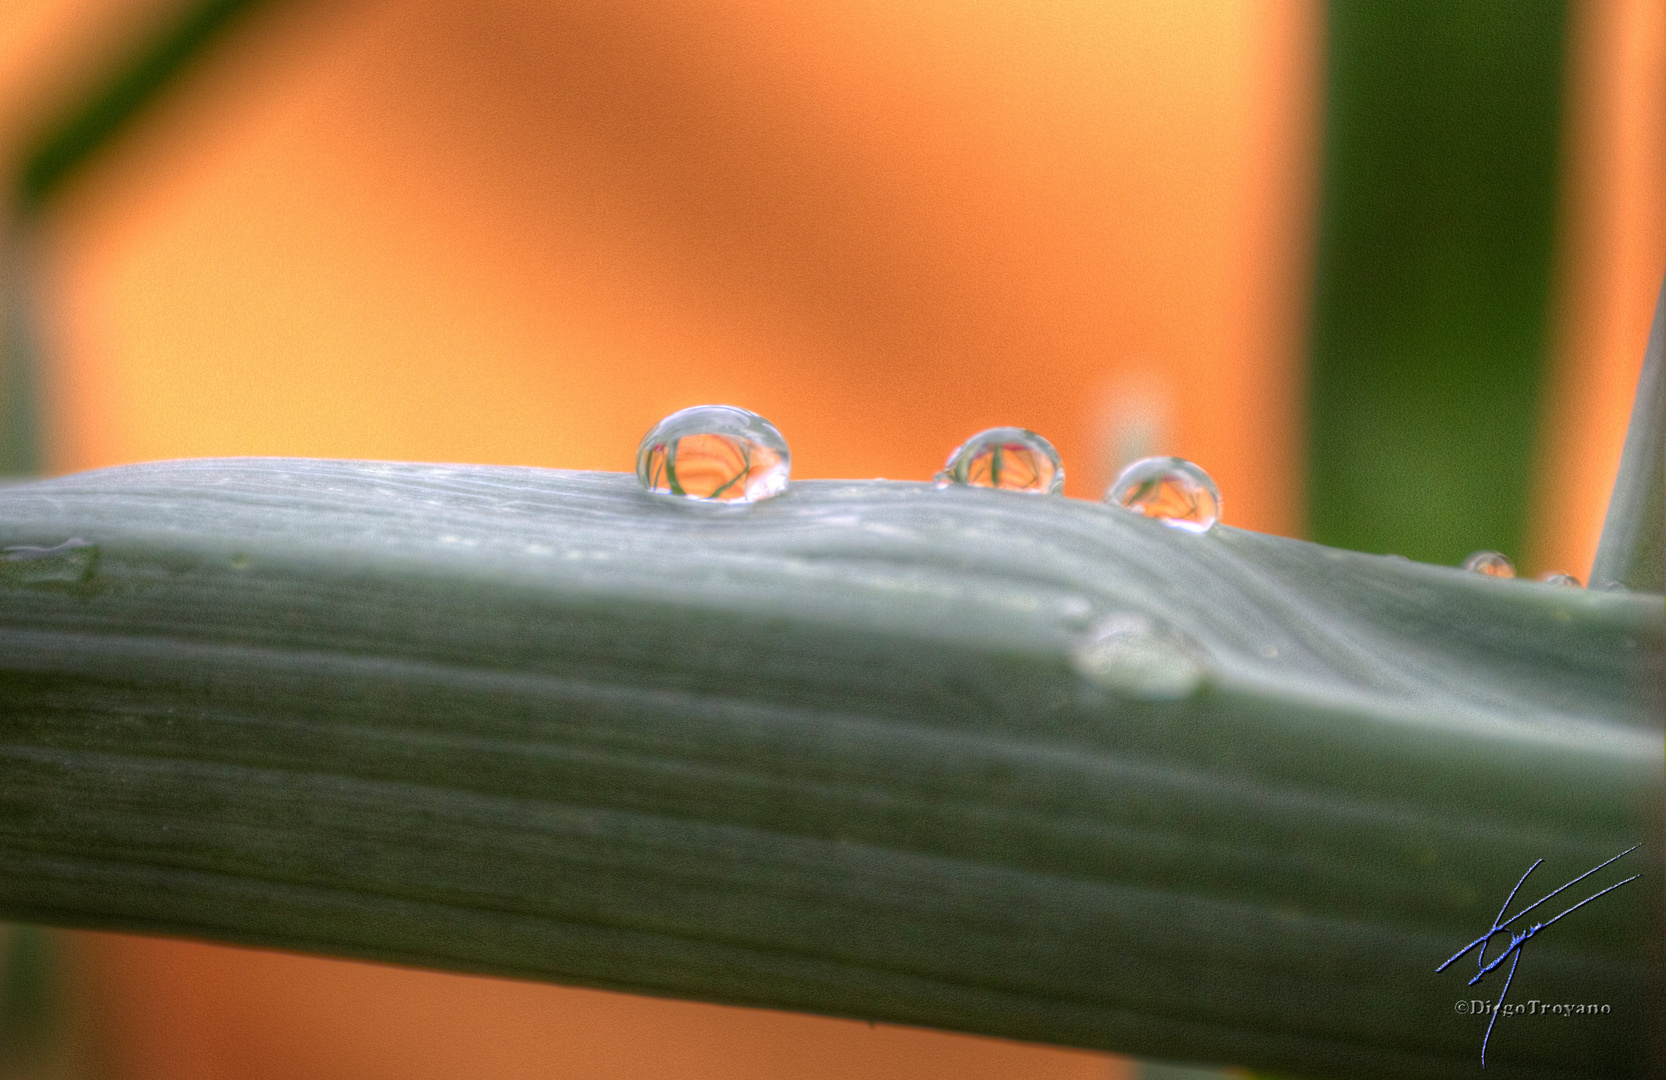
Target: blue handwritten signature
1500	925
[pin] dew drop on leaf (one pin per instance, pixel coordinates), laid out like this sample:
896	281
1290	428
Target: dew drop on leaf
1556	577
1171	490
1138	657
1490	563
716	454
1008	458
70	564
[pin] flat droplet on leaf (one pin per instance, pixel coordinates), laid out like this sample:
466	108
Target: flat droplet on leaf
70	564
714	454
1169	489
1556	577
1490	563
1008	458
1135	656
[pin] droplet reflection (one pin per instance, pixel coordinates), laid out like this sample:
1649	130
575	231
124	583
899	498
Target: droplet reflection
1490	563
1008	458
1138	657
714	454
1169	489
70	565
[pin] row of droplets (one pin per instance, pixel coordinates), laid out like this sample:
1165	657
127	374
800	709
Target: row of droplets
724	455
1497	564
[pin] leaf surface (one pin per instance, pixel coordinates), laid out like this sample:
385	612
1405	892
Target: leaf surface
854	751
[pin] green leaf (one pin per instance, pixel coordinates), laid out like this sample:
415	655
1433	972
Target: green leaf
858	750
102	112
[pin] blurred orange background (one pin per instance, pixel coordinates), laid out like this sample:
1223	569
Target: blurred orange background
519	232
516	232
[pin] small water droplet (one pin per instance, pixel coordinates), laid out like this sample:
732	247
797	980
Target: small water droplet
714	454
69	565
1008	458
1169	489
1556	577
1490	563
1136	656
1612	586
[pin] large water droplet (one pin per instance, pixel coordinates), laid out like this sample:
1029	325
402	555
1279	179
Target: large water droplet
68	565
1138	657
1556	577
1490	563
1008	458
1170	489
714	454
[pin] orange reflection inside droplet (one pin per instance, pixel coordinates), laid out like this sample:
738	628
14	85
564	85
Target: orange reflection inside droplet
709	466
1172	500
1011	466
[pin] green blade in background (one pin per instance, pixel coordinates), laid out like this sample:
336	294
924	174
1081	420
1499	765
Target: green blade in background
1442	128
76	136
21	440
92	122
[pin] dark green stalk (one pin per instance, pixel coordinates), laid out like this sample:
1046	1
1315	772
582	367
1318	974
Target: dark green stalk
94	120
1432	283
20	436
74	136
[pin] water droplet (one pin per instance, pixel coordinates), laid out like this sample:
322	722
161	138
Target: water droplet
1170	489
1556	577
714	454
1490	563
1008	458
68	565
1136	656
